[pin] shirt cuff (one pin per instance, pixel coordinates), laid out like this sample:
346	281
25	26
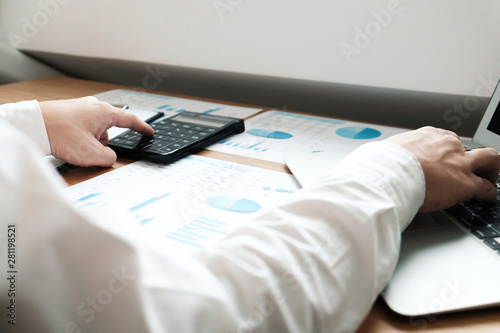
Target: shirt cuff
27	117
393	169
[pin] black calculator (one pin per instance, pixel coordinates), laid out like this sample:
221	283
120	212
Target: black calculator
176	136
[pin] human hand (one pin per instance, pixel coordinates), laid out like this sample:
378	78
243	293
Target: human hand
452	174
77	129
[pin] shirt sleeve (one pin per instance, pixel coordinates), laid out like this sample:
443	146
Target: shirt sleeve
313	264
27	117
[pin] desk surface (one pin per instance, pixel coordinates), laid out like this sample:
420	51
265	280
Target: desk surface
381	318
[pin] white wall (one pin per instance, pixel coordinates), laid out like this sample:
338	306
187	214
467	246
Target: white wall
447	46
15	66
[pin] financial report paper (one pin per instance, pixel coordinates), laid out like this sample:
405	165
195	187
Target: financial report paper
189	204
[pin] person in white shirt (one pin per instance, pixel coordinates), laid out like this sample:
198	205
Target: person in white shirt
313	264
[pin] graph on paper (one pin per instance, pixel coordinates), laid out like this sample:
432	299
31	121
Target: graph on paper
198	233
272	135
189	204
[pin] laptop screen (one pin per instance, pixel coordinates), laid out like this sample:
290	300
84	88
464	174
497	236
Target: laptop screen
494	125
488	131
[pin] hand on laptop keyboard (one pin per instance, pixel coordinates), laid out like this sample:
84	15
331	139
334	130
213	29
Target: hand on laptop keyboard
452	174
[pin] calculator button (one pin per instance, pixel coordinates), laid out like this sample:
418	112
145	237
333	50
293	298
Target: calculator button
132	136
117	140
158	145
156	126
161	123
171	134
185	135
169	139
130	142
177	145
146	142
187	141
167	150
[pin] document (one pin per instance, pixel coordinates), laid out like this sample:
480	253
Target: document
189	204
171	105
272	135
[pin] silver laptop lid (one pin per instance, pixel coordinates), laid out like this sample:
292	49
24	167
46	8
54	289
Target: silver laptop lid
488	131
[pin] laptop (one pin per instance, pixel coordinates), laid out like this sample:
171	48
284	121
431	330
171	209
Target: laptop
449	260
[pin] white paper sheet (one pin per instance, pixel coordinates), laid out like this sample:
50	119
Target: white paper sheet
171	105
272	135
189	204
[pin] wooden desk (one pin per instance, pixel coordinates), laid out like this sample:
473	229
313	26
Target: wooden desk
380	320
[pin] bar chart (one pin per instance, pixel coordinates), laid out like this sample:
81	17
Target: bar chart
189	204
198	233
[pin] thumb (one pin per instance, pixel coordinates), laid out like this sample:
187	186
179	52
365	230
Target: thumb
92	153
104	157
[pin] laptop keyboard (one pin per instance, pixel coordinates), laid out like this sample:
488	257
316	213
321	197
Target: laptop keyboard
480	219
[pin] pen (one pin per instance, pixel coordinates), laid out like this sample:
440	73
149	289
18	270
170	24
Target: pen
121	106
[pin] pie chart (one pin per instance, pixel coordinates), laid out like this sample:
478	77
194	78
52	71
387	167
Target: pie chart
358	133
233	204
269	134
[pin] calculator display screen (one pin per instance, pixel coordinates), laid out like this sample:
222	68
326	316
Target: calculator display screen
199	121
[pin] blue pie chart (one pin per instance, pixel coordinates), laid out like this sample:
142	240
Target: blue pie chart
269	134
358	133
233	204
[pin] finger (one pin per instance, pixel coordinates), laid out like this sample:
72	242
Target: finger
103	156
485	190
104	139
485	163
107	157
87	152
127	120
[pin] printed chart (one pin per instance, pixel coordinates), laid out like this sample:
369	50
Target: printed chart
272	135
171	105
189	204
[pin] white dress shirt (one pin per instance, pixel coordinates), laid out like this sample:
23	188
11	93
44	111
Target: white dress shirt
313	264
